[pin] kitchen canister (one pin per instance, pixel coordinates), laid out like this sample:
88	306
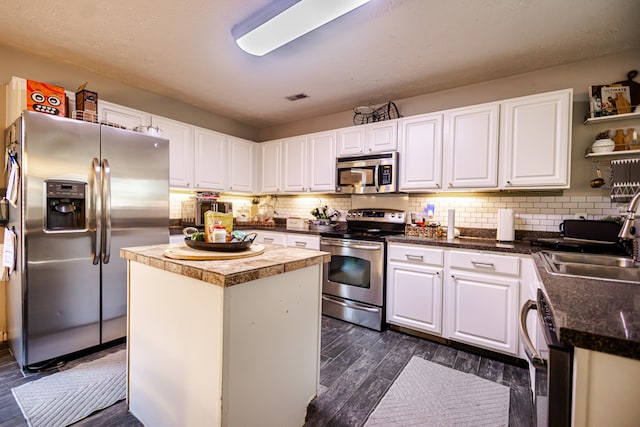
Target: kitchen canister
506	226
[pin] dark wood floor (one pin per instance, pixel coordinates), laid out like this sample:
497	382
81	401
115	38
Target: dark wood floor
358	366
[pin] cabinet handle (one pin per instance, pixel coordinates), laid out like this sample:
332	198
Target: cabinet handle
437	185
482	264
301	244
267	240
450	185
415	257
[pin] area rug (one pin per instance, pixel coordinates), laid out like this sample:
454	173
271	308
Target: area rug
429	394
68	396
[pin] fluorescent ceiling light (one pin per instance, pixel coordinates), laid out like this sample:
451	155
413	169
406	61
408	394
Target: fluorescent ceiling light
285	20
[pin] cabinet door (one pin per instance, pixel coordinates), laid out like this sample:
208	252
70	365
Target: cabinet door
482	311
293	160
536	141
242	164
420	152
471	140
414	297
271	167
123	116
351	140
321	162
180	136
382	136
210	160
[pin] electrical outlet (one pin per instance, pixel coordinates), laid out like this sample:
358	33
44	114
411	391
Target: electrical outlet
580	215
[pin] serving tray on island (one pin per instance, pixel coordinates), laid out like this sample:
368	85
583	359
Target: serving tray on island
242	245
184	252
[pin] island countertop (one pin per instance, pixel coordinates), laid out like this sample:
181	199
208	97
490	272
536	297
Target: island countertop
275	260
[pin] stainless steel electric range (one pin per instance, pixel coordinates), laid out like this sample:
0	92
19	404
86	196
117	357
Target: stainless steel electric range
354	281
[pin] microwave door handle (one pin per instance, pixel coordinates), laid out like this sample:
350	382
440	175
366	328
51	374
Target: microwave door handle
375	176
529	348
96	207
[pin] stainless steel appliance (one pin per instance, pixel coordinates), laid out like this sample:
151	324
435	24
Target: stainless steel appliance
354	280
589	236
193	210
86	190
552	364
367	174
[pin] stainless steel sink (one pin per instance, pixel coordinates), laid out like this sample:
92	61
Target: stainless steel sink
608	267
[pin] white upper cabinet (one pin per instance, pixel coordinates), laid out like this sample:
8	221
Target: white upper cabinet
420	147
321	162
369	138
271	167
210	160
123	116
536	141
309	163
181	150
471	141
294	162
242	164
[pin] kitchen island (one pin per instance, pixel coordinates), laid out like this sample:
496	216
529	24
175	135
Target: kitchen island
228	342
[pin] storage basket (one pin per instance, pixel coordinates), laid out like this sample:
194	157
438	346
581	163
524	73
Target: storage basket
430	232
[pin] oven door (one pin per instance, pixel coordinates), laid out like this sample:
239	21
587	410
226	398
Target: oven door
356	270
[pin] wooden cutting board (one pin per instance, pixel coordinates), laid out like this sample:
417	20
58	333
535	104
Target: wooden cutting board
186	253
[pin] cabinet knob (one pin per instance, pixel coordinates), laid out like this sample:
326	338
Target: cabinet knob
437	185
508	182
450	185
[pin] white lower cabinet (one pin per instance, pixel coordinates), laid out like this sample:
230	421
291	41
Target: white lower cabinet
414	287
466	296
304	241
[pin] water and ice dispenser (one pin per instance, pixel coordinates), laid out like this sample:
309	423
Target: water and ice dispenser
65	208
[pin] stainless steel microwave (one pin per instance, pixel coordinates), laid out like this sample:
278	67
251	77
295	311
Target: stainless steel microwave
366	174
192	210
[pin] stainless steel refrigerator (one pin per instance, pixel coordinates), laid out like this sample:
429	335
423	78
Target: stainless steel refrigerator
85	191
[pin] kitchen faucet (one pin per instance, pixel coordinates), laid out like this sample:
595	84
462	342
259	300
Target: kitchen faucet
628	230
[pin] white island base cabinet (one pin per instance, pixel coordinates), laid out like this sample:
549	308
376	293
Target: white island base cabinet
206	355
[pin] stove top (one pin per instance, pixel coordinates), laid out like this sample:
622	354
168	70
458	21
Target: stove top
371	224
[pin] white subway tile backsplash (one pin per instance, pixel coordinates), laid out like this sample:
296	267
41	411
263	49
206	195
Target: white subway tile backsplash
534	213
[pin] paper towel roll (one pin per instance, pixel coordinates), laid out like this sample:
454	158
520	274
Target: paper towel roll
506	226
451	231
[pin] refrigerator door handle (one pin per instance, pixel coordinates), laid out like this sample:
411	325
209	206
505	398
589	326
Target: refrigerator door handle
96	208
106	210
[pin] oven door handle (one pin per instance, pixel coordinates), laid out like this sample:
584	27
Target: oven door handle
529	348
350	305
372	247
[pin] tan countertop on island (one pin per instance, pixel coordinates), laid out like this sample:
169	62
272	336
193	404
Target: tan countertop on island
275	260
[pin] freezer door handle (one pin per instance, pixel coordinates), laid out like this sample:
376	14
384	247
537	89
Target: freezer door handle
106	209
96	206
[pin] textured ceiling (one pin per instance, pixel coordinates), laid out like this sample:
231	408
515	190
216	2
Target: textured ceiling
385	50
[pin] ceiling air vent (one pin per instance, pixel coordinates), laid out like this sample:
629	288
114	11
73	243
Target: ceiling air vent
297	96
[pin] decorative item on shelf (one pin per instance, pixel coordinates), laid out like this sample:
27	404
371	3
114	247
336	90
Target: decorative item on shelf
324	218
631	139
618	139
369	113
598	181
616	98
603	143
46	98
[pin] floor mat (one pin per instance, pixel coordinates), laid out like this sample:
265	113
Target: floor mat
68	396
429	394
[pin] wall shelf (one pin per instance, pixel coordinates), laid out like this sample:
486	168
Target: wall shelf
616	117
615	154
